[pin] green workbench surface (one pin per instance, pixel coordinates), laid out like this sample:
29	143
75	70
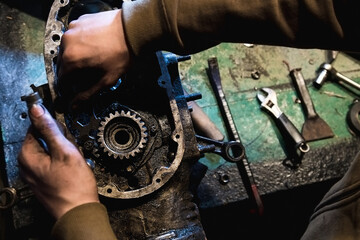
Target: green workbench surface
258	132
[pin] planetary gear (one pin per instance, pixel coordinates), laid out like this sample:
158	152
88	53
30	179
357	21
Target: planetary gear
122	134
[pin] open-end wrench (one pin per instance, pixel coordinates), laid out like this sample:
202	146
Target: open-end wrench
290	133
243	164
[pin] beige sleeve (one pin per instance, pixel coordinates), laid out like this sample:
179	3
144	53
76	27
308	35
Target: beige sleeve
338	214
188	26
86	222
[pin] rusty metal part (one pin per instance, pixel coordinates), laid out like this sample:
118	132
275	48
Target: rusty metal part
31	99
232	151
146	189
122	135
314	127
95	128
12	196
202	123
292	137
242	164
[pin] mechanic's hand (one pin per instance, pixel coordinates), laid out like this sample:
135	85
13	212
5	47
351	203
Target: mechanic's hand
60	179
93	54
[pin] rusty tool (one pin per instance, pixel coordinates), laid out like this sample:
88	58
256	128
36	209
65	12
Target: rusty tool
243	165
297	145
314	127
202	123
224	149
31	99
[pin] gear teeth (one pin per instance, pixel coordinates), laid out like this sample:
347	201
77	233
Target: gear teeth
143	134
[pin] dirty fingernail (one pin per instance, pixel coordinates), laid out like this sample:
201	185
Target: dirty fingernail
37	110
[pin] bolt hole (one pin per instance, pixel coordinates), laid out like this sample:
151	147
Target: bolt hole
56	37
52	52
23	115
62	1
177	136
158	180
109	190
224	179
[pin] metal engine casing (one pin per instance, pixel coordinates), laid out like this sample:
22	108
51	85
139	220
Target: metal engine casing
134	133
146	186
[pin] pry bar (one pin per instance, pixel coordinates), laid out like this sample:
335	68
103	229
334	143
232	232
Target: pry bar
242	165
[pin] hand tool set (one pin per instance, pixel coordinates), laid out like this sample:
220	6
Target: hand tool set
295	142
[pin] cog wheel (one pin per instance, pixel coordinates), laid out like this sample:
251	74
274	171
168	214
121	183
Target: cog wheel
122	135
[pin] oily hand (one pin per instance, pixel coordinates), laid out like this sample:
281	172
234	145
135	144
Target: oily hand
93	55
59	177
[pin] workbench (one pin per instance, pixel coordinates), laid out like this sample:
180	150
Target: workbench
327	158
22	64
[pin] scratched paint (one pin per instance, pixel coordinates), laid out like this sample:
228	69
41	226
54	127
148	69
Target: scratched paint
257	130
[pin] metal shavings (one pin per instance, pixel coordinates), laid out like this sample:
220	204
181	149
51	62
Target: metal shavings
332	94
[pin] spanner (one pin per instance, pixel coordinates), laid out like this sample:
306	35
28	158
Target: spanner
232	151
291	135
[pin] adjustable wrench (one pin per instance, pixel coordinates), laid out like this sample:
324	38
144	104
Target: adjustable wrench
291	135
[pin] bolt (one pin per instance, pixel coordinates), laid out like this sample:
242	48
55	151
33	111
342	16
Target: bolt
130	169
152	130
89	145
90	163
255	74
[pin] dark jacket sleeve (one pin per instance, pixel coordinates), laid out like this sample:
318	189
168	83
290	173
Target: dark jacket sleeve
86	222
188	26
338	214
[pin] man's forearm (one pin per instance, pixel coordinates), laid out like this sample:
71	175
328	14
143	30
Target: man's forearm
187	26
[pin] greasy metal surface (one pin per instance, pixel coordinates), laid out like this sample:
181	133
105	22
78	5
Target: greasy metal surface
170	208
136	167
21	64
